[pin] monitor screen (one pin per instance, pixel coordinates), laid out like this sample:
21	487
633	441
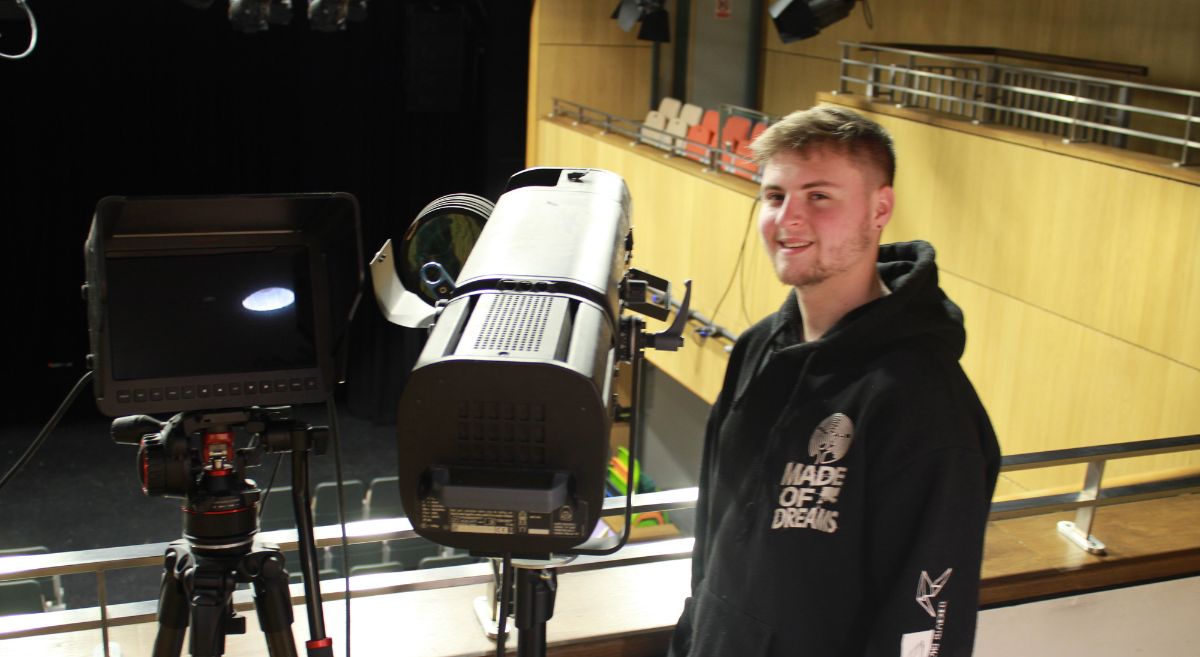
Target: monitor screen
177	315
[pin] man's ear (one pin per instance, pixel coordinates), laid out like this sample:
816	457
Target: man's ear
883	200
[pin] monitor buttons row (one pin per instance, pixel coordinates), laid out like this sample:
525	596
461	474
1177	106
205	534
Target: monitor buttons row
209	390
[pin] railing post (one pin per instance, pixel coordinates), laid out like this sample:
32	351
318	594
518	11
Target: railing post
1187	132
102	599
1079	532
1072	136
845	69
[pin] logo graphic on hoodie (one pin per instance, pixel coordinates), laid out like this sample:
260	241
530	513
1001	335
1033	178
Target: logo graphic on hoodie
830	442
928	589
808	491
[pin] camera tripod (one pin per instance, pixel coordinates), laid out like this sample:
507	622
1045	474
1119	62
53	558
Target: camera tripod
197	589
192	456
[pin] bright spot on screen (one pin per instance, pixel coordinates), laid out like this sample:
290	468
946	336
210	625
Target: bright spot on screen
268	299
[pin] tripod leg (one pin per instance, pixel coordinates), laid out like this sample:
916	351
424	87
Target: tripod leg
172	609
274	605
210	585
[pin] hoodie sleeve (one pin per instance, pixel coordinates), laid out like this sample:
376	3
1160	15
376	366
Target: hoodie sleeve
923	560
681	640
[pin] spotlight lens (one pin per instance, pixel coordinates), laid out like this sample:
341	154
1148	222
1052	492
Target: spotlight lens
268	299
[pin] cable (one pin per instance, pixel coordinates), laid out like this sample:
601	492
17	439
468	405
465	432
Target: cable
741	274
738	264
867	15
33	32
262	505
334	435
50	425
505	599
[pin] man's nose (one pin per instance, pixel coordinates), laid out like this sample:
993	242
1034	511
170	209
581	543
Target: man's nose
791	211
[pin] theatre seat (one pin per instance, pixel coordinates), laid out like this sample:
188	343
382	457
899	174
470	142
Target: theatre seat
744	165
653	130
691	114
679	129
669	107
703	135
712	121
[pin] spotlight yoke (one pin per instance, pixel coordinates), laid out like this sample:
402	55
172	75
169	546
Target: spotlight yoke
503	426
197	303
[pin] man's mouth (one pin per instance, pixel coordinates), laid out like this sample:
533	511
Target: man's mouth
793	244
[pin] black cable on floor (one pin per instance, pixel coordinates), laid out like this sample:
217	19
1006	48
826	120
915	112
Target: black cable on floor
49	427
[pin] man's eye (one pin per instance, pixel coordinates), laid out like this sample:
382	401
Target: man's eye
773	197
818	196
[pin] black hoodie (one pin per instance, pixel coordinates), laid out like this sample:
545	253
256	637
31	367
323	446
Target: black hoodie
845	484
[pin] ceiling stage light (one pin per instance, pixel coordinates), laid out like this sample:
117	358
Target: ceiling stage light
257	15
656	22
801	19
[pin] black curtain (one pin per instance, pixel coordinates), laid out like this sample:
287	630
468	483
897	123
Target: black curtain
153	97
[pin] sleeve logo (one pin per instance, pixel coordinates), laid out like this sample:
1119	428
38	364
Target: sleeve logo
928	589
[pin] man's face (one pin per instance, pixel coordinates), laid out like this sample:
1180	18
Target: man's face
821	215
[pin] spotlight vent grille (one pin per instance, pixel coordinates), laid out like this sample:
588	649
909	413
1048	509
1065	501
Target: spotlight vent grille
518	325
515	322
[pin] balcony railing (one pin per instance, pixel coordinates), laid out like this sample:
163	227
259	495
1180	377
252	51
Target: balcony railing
101	561
1075	107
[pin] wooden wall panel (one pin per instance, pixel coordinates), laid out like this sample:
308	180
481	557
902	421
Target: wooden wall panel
580	54
578	22
793	81
998	218
1158	34
1110	248
1052	383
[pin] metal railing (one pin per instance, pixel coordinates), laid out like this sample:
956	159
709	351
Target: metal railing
721	158
1078	108
101	561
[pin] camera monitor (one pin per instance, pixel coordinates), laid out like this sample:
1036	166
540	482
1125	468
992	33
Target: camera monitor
212	302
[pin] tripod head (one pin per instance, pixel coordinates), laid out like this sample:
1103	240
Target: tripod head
193	456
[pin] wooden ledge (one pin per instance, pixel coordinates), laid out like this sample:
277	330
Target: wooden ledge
1134	161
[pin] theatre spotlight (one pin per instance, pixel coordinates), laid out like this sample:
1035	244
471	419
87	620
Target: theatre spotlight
257	15
801	19
656	22
503	426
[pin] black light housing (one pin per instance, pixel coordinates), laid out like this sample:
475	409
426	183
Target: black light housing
257	15
801	19
656	26
656	22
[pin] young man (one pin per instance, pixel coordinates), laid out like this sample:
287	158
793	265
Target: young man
848	463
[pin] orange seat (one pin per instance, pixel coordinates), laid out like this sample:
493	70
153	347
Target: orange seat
744	165
737	128
699	133
712	121
735	133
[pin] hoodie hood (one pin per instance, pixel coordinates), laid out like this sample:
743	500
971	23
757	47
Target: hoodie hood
916	311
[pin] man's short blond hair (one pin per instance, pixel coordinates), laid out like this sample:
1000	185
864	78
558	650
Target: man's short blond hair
828	126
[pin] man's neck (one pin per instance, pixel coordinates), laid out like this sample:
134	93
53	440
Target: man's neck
822	306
